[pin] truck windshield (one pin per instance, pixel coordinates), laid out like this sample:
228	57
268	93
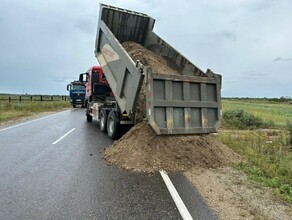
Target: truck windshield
77	87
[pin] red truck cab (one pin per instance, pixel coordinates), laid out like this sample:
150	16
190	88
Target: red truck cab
95	83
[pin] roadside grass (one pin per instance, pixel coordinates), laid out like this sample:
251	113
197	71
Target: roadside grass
278	113
16	110
261	133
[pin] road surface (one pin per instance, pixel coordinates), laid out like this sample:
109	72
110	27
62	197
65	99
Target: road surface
51	168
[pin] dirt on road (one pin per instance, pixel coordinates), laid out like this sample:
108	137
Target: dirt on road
142	150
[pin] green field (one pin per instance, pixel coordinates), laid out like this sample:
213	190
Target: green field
278	112
267	151
27	105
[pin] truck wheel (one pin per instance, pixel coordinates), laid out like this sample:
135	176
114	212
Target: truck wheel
88	116
103	121
112	125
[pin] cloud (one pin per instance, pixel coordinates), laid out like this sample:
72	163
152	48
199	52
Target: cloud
282	59
230	81
86	25
46	44
59	80
261	5
250	75
256	74
223	34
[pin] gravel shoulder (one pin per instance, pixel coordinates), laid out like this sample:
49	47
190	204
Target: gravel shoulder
232	195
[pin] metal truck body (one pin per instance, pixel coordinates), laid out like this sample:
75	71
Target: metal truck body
76	93
189	103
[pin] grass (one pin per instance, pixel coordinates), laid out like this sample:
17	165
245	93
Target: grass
278	113
267	152
241	119
15	110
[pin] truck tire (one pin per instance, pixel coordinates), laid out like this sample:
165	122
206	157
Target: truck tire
88	116
103	120
113	125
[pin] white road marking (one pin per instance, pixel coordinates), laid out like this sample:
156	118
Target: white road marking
28	122
64	136
175	196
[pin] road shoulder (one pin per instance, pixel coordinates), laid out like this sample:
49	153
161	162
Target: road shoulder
232	195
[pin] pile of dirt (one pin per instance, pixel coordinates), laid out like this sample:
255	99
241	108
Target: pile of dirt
148	58
142	150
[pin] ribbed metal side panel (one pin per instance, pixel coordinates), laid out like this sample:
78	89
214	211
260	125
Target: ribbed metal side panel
183	104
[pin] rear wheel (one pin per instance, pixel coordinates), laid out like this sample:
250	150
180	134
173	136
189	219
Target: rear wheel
88	116
103	121
113	125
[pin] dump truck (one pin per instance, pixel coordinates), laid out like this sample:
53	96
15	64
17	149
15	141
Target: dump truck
188	103
76	93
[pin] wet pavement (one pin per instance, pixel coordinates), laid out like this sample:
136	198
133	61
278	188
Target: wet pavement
69	180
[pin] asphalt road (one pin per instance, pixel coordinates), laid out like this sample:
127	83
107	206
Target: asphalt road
51	168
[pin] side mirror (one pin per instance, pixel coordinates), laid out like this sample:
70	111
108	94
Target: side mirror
81	77
68	87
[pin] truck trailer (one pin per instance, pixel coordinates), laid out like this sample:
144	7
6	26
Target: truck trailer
188	103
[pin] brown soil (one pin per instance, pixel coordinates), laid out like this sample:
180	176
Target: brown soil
148	58
142	150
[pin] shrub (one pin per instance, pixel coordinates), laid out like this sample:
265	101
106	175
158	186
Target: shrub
244	120
289	129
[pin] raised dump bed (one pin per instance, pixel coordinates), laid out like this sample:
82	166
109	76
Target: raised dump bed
186	103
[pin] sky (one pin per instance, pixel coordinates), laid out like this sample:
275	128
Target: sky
46	44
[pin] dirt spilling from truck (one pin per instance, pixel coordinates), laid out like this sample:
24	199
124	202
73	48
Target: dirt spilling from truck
157	63
141	149
148	58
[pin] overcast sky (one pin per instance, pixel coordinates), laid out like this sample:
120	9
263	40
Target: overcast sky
46	44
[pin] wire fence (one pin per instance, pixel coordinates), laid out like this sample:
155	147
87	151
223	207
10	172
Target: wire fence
32	98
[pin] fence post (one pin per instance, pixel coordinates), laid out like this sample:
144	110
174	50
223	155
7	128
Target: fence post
20	98
9	99
31	98
41	98
52	98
